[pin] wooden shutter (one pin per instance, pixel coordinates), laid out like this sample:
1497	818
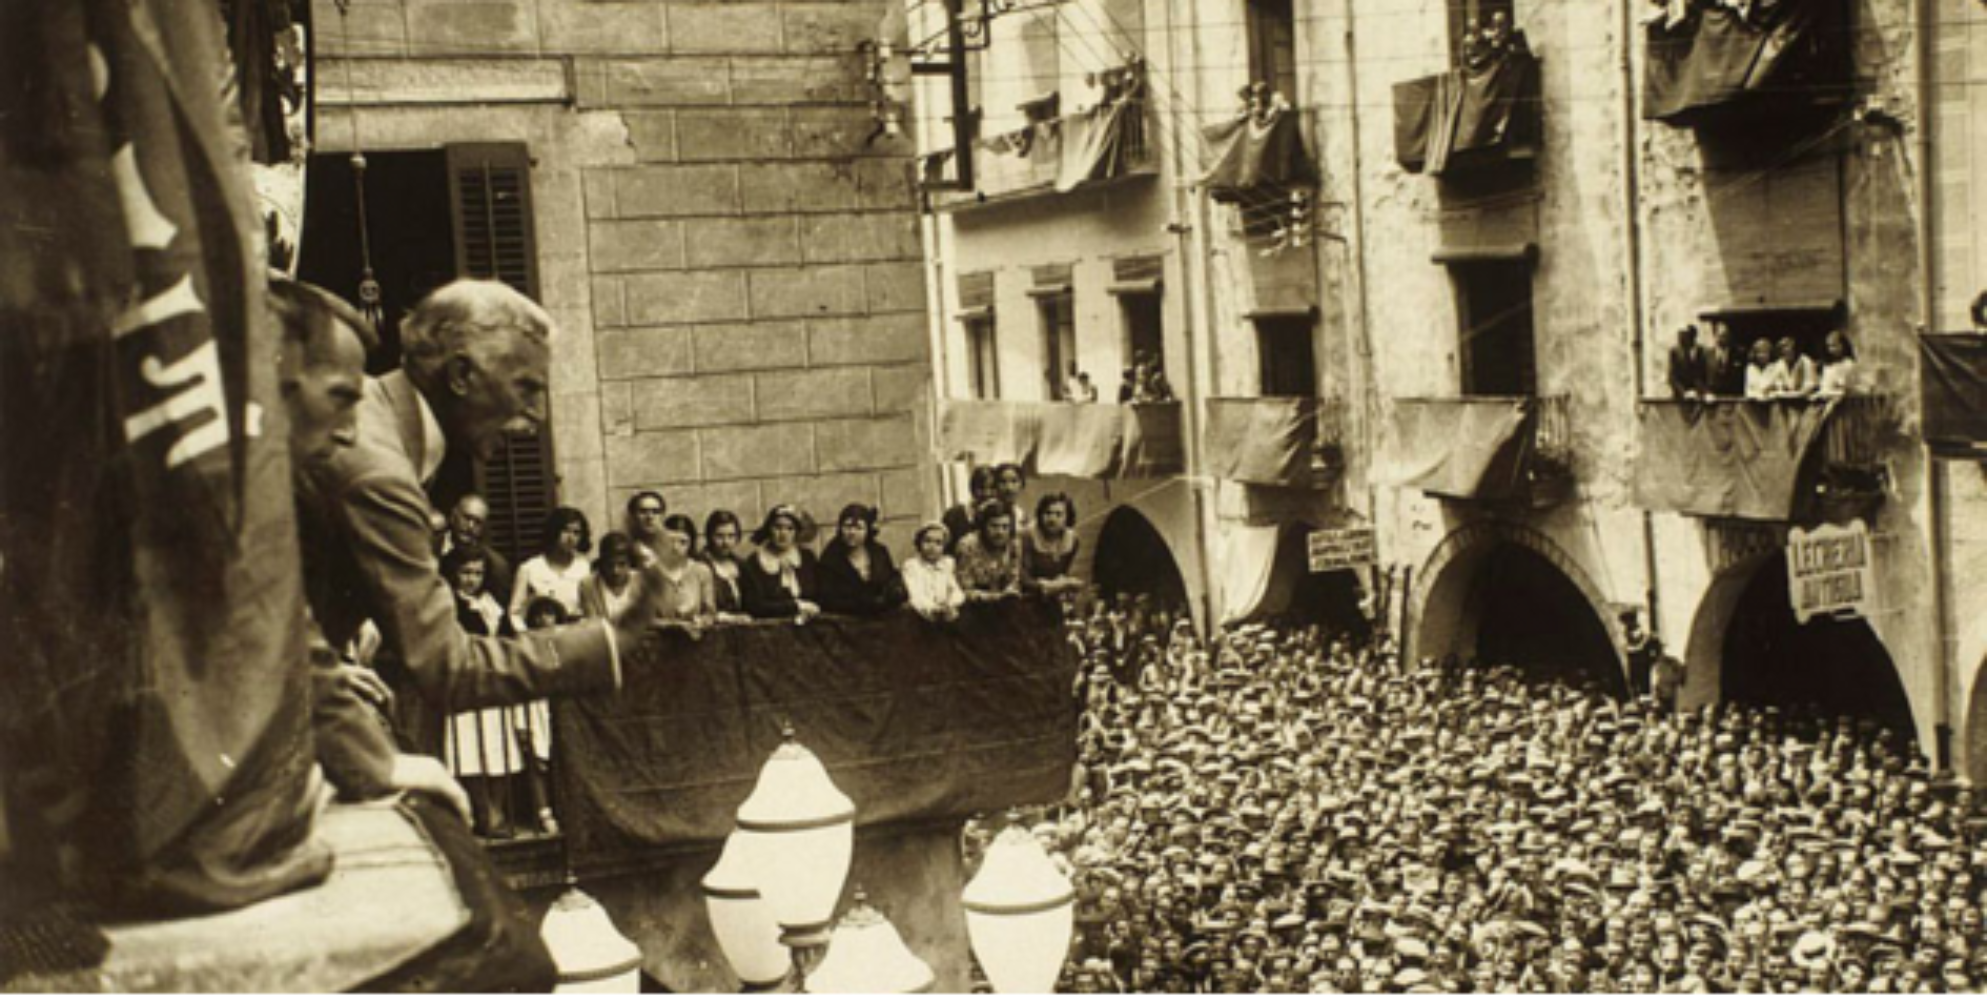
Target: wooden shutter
490	191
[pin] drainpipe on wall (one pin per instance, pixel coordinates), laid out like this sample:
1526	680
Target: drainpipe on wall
1631	185
1928	311
1369	386
1194	280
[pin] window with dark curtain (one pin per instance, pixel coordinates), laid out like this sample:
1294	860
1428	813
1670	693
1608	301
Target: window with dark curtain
1288	358
1494	306
1482	13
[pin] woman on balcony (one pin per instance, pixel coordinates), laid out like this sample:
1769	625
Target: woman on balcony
1765	379
722	533
558	571
959	520
1798	378
609	589
857	575
1048	549
990	558
687	599
1838	367
779	579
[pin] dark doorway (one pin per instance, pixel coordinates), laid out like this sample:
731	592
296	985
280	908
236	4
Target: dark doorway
1132	558
1529	615
1839	667
410	226
1495	300
1330	601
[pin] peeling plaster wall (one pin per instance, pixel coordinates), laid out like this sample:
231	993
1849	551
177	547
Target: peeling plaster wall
733	264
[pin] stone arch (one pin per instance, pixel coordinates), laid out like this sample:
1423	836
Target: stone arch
1742	607
1132	555
1973	729
1446	611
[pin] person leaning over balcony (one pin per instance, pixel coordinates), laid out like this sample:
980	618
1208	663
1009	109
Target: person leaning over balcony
1048	549
959	520
1838	367
1798	377
722	533
930	580
1764	377
989	559
477	360
857	575
779	579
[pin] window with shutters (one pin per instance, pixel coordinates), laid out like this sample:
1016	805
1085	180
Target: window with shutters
490	192
976	314
1055	305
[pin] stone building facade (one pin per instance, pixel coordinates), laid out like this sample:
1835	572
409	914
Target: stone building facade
731	256
1523	286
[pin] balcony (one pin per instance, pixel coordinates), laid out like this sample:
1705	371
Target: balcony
1478	115
1486	448
1716	63
1082	440
1289	441
1057	155
1776	461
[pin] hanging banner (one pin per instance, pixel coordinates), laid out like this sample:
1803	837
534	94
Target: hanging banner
1342	548
1828	571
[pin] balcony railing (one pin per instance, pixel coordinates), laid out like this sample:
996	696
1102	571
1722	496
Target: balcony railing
1295	441
1485	448
1718	62
1060	154
1764	460
1472	116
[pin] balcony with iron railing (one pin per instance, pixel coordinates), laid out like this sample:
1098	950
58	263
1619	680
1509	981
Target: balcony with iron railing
1287	441
1486	448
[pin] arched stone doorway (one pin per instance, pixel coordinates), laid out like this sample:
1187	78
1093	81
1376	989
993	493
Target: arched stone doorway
1506	594
1747	647
1974	733
1133	558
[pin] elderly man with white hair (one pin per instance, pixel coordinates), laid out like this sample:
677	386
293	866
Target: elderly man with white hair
476	360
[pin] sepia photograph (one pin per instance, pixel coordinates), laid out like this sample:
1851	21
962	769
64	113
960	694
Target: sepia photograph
993	496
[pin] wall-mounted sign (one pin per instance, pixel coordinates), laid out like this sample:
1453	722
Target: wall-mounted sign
1342	548
1828	571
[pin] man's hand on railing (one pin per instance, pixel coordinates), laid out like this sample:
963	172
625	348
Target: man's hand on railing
414	773
361	683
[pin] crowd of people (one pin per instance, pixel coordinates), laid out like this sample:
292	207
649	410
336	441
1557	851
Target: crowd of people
1284	811
1764	370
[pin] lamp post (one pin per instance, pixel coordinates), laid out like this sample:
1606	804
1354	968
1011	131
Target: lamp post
795	839
867	956
1020	914
743	923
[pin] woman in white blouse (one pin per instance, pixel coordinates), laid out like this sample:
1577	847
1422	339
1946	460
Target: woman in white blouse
1838	367
559	570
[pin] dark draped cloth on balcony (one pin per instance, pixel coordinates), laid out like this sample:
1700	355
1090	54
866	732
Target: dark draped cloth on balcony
914	720
1101	143
1728	459
1102	441
1257	154
1468	113
1954	382
1463	448
159	756
1712	59
1268	441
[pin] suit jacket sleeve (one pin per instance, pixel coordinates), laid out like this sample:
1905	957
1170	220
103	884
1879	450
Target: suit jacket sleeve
353	744
386	518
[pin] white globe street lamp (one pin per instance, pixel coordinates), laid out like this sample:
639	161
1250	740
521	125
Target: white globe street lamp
591	954
866	955
1020	914
795	838
743	923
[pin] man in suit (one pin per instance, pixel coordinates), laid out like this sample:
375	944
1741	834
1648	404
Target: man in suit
1726	365
475	366
466	521
1690	373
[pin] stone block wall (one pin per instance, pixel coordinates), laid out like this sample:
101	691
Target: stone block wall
733	261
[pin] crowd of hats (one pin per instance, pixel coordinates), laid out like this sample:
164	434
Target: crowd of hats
1283	812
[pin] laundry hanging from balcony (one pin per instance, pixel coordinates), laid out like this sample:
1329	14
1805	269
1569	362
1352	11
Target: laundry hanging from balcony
1469	114
1084	440
1464	448
1259	154
1107	140
1708	58
1954	383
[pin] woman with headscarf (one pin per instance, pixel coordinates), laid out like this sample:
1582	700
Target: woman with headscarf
857	575
779	579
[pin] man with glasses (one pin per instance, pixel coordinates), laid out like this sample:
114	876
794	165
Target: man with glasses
645	513
467	521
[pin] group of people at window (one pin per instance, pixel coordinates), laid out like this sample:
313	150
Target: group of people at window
1143	381
1765	370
